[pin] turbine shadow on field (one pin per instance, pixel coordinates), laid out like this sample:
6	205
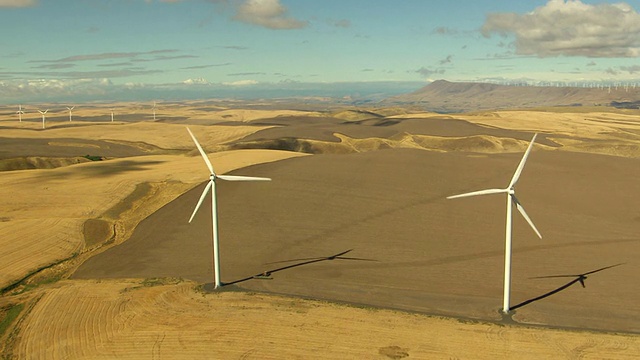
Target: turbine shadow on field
304	261
497	253
578	278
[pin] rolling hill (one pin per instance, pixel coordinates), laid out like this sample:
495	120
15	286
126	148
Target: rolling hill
445	96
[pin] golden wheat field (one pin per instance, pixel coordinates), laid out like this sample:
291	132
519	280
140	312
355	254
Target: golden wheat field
98	260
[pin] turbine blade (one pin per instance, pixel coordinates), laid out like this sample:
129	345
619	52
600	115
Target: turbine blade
204	155
480	192
525	216
242	178
516	175
204	195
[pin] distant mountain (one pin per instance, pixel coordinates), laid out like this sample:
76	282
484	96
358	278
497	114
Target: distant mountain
445	96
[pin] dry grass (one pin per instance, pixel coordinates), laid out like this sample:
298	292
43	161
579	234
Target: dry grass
127	320
165	136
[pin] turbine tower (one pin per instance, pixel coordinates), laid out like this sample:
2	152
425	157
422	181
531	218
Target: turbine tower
154	111
43	117
214	207
511	199
70	108
111	114
20	112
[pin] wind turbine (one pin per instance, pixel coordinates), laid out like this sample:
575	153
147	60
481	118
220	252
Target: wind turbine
511	199
70	108
20	112
111	114
43	116
214	207
154	111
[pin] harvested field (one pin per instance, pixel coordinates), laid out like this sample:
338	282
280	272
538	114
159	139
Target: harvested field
377	184
433	255
133	320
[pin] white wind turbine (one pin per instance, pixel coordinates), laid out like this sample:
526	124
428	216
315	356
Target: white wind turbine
20	112
43	116
111	114
70	108
154	111
511	199
214	207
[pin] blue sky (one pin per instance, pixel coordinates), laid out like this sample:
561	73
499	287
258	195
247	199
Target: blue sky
102	47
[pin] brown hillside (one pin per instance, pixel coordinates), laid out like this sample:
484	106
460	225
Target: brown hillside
445	96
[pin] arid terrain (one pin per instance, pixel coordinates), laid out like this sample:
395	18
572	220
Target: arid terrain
446	96
98	259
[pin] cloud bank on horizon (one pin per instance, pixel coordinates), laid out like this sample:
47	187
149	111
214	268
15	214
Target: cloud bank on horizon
155	45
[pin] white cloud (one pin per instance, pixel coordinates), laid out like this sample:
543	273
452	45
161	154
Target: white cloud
134	85
267	13
198	81
241	83
17	3
571	28
12	88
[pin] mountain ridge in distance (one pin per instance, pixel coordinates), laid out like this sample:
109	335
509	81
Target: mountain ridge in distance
446	96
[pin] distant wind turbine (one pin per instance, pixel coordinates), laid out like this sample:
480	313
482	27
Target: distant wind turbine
154	111
70	108
20	112
511	199
43	117
111	114
211	186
